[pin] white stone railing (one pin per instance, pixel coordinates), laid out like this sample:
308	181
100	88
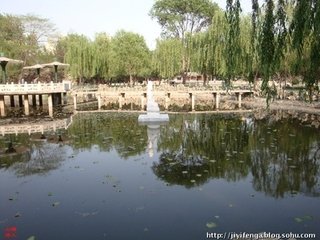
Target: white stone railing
35	128
34	88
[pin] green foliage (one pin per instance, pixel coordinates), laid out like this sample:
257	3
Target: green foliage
233	49
166	58
130	55
267	48
179	17
79	56
101	59
305	29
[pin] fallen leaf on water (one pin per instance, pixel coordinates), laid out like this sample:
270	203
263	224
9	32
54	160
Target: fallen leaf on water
55	204
211	225
17	215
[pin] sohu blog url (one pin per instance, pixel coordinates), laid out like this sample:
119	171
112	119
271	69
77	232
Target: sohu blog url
260	236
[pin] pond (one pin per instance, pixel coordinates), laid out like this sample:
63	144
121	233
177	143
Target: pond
111	178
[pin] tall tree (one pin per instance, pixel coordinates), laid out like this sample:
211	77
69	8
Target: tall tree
306	34
255	27
178	18
79	56
267	48
130	55
39	34
166	58
233	10
101	59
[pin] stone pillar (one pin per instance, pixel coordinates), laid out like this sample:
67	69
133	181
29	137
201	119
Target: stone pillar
12	101
99	101
26	104
239	100
75	102
167	101
121	100
217	99
62	98
40	100
50	105
192	98
34	100
2	106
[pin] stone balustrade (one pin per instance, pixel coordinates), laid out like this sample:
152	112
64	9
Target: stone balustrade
34	88
35	127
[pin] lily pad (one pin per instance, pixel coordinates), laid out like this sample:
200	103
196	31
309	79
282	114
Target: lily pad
211	225
55	204
184	172
192	181
303	218
31	238
50	194
198	175
298	220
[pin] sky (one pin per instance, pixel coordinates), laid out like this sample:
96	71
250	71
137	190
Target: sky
93	16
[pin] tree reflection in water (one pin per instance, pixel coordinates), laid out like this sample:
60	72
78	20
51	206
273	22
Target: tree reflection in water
33	155
281	156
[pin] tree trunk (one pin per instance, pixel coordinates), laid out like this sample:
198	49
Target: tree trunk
205	77
131	81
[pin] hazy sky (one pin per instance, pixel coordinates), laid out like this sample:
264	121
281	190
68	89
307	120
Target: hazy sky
89	17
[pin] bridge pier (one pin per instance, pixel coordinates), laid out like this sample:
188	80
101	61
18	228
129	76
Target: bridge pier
2	106
26	105
50	104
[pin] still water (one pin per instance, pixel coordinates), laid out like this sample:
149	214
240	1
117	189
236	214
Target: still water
111	178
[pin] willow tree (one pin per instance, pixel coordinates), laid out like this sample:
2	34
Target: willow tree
253	64
233	48
306	34
208	49
101	60
267	48
130	55
79	55
166	58
178	18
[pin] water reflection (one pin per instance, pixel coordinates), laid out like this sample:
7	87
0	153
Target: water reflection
282	157
33	148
